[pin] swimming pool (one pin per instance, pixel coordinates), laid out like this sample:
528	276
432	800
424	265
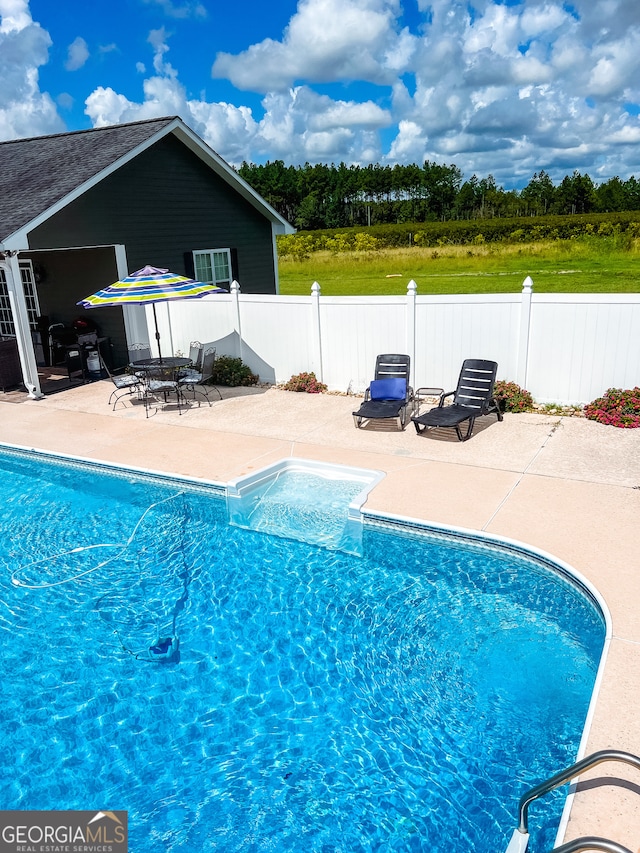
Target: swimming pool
317	701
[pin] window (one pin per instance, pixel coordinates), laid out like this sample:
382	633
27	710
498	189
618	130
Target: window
30	295
213	266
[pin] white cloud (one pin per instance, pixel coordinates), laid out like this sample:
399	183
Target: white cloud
65	100
543	20
617	65
24	47
77	54
104	106
300	125
15	16
629	135
410	144
158	40
530	70
326	40
180	10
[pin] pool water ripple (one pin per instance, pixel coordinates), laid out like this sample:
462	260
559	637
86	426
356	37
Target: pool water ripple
320	702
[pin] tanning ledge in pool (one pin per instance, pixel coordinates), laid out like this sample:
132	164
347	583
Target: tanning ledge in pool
315	502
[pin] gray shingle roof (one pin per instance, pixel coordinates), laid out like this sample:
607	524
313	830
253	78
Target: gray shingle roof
36	173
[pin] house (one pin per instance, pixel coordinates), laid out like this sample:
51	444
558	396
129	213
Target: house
82	209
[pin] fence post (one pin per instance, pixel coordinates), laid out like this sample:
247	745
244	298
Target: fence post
235	292
317	329
525	326
412	289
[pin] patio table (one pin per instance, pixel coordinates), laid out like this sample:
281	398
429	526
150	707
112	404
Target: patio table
166	362
160	377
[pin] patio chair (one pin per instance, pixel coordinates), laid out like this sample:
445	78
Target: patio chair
389	396
139	352
160	383
191	377
193	374
127	383
472	398
196	351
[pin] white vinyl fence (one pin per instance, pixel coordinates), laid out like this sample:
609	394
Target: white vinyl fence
563	348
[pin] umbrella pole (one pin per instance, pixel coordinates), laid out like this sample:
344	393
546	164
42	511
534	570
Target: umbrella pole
155	320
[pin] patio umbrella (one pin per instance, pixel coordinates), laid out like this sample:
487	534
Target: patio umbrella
146	287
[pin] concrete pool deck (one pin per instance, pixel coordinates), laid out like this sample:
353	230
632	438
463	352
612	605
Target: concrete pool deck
567	486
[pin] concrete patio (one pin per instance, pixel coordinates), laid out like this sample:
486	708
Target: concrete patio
567	486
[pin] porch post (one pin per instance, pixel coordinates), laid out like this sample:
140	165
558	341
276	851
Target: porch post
21	324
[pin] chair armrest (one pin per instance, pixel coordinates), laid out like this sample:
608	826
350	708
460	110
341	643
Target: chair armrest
444	396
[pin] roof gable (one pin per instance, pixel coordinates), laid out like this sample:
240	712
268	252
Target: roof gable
40	175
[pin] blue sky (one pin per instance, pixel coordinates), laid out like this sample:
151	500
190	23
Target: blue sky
501	87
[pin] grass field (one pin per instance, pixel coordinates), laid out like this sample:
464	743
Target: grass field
560	266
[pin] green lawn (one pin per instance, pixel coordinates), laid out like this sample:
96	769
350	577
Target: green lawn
590	266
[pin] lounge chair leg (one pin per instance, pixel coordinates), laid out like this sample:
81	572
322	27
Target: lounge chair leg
469	430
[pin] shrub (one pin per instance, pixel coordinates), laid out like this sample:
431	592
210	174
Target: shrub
232	372
510	397
616	408
305	382
365	243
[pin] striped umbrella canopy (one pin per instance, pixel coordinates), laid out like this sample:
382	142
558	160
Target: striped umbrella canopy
146	287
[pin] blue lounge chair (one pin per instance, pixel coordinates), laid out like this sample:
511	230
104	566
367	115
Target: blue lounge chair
389	396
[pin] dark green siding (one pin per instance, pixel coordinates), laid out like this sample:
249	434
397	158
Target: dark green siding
165	203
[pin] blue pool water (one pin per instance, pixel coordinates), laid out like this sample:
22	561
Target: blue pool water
313	702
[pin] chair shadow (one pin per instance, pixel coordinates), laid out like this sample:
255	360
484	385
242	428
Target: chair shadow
448	435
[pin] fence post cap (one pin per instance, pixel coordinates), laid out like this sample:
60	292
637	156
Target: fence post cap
315	289
527	285
412	287
235	287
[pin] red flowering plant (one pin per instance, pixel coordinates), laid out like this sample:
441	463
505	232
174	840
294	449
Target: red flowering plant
510	397
305	382
616	408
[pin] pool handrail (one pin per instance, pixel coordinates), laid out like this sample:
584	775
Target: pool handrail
520	838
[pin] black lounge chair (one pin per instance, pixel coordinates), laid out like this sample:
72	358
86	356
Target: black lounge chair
472	398
389	396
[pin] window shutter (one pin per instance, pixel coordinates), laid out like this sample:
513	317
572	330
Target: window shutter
189	268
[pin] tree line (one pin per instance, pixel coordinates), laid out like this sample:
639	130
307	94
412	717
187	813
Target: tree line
329	196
